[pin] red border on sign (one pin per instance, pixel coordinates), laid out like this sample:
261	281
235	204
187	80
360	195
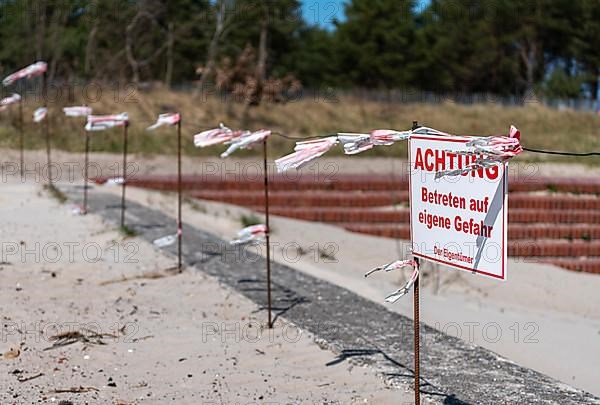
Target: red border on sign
504	215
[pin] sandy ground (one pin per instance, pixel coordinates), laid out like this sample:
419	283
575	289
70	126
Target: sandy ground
543	317
181	339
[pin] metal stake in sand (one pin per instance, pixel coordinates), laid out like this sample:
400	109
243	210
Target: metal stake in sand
21	138
101	123
46	127
416	328
266	175
83	111
179	196
174	119
124	185
416	325
242	140
85	171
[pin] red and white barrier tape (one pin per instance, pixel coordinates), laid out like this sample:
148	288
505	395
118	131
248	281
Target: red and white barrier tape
115	181
305	152
253	235
165	119
165	241
37	69
245	141
396	295
77	111
103	122
12	99
40	115
357	143
492	151
217	136
398	264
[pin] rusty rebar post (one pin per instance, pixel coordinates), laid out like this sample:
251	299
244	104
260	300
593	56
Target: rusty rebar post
124	186
416	323
85	171
46	126
266	176
417	331
179	197
21	139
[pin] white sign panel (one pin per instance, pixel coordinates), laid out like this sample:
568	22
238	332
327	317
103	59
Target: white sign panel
459	221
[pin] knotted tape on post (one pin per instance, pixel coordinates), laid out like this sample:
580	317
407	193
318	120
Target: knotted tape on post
356	143
235	139
398	264
246	140
40	114
6	101
217	136
77	111
103	122
165	119
489	152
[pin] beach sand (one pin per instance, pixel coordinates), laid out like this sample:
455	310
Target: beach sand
135	332
543	317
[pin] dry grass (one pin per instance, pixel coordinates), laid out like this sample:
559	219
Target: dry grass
541	127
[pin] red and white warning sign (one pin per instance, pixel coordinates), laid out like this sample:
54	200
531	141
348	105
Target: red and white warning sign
458	220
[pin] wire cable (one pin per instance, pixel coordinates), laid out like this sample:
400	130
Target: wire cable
300	138
551	152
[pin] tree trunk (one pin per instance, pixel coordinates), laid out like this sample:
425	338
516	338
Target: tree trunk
529	57
135	70
261	65
596	85
134	63
170	46
40	29
90	48
213	48
59	21
261	70
30	21
530	66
